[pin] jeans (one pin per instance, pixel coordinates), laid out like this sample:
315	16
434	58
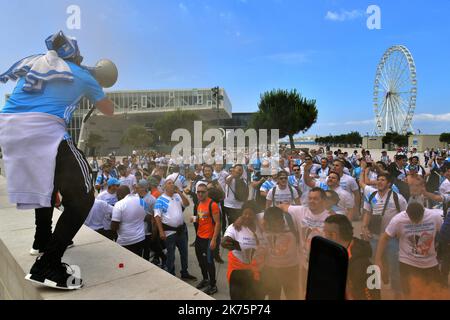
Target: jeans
205	259
180	241
391	255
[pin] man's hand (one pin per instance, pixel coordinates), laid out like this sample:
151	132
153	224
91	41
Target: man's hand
308	166
162	236
366	234
213	244
284	207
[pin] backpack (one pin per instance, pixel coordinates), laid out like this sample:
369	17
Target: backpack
274	190
241	192
433	181
375	220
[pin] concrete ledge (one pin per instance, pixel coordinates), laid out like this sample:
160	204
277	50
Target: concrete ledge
97	257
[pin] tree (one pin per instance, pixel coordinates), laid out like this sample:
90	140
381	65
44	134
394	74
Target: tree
400	140
178	119
287	111
445	137
94	140
137	137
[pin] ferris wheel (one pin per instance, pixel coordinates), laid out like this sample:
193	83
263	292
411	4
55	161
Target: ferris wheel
395	91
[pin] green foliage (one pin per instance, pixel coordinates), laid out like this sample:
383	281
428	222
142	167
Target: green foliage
285	110
445	137
349	138
94	140
400	140
178	119
137	137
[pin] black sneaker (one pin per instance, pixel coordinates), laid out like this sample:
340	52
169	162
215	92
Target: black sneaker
188	277
211	290
203	284
34	251
54	275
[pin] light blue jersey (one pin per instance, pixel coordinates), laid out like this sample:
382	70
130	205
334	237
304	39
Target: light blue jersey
268	185
59	98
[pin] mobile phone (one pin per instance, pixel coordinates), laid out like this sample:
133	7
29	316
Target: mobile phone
327	272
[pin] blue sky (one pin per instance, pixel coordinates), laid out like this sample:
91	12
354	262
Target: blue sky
322	48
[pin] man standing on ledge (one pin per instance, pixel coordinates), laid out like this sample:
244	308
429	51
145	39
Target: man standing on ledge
34	122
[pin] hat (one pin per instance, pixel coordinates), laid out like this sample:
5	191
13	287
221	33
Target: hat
113	182
143	183
66	47
201	182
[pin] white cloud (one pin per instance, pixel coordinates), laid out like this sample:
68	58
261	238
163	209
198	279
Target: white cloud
428	117
343	15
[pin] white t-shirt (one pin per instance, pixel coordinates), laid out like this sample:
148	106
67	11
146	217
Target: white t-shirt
346	200
170	210
280	250
130	213
129	181
348	183
111	199
282	195
309	225
323	174
221	177
247	242
444	188
230	200
377	204
417	241
97	214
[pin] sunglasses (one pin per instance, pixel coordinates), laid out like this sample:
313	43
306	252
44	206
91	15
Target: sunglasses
282	178
201	192
296	170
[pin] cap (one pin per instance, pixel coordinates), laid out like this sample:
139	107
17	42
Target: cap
113	182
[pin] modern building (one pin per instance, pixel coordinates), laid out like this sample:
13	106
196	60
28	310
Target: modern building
145	107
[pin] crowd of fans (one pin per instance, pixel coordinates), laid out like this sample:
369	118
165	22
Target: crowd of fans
266	211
